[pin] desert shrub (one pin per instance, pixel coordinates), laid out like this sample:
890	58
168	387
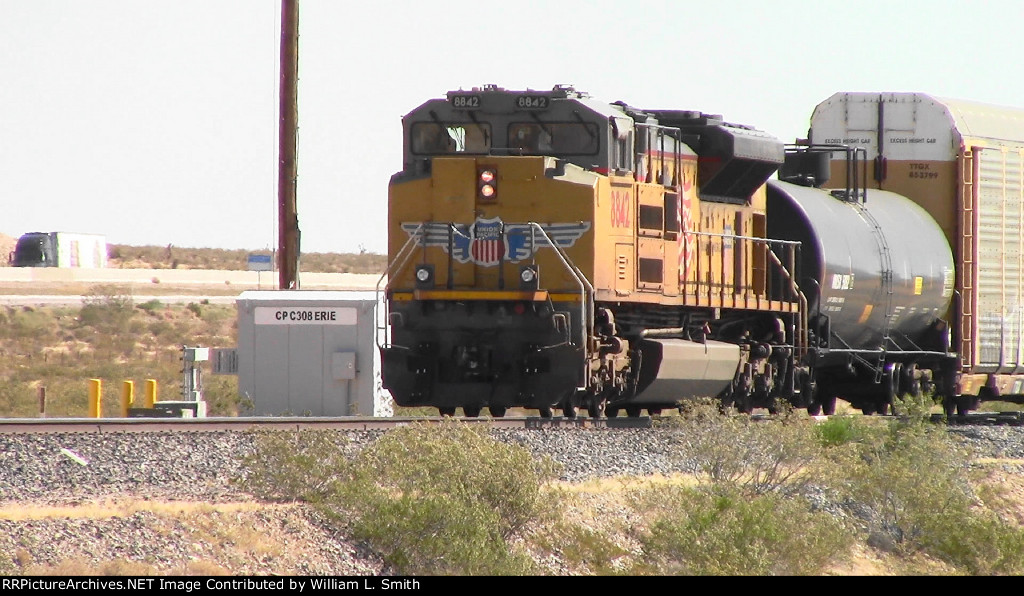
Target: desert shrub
583	547
213	315
8	567
913	409
125	567
723	531
908	481
26	323
979	542
911	486
15	399
430	499
446	499
160	328
151	306
288	466
220	392
838	430
107	309
755	456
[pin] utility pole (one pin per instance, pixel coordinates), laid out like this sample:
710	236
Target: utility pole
287	173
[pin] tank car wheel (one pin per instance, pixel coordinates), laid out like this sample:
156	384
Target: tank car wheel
948	406
868	408
446	411
654	411
568	411
908	384
497	411
595	410
471	411
546	412
893	383
611	412
633	411
966	403
828	405
809	395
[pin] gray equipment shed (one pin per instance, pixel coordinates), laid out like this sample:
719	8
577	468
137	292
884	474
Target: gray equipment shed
310	353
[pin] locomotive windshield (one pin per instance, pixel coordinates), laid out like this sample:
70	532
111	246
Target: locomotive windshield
441	138
553	138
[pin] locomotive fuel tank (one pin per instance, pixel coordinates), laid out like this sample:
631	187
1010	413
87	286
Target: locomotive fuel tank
877	270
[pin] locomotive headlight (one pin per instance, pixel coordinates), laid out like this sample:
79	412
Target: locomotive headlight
487	183
529	277
424	277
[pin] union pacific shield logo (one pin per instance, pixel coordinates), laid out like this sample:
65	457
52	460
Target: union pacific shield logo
487	242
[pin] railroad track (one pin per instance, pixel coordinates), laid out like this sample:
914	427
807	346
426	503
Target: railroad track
296	423
119	425
984	418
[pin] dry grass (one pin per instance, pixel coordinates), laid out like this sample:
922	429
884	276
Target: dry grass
171	257
116	339
125	256
106	509
226	539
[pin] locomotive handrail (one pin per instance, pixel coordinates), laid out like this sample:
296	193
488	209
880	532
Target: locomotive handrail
754	238
794	287
586	289
400	261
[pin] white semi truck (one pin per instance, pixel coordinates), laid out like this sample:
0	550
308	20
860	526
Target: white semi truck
60	249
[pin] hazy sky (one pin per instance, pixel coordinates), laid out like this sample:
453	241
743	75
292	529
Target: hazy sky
155	121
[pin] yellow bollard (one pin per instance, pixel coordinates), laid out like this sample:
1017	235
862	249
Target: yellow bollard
150	393
95	395
127	397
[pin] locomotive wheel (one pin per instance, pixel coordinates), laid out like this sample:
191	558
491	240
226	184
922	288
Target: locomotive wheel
497	411
446	411
828	405
471	411
814	409
633	411
569	411
545	413
611	412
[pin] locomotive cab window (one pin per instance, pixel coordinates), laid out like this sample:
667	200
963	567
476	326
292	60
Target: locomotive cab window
553	138
432	138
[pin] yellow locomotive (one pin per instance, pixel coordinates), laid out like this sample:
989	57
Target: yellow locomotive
548	250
